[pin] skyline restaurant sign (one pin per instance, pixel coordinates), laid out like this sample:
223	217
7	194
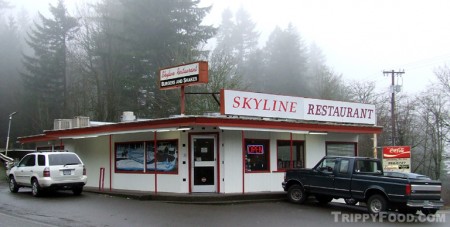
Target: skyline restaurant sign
290	107
182	75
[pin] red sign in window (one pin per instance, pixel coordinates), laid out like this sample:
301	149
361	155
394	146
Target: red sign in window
255	149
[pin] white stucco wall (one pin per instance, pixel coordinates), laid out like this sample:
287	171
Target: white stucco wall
96	153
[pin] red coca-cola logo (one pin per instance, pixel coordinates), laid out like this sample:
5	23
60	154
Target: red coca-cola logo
397	152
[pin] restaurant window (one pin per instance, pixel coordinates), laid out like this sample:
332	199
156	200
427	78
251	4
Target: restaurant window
341	148
290	157
140	156
130	156
257	155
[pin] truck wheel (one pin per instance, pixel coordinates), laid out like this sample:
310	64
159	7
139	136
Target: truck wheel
297	194
13	187
350	201
323	199
36	188
429	211
376	204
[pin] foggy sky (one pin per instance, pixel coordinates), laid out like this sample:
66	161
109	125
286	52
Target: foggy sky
360	38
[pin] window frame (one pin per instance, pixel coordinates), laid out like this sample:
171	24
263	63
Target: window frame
147	144
301	143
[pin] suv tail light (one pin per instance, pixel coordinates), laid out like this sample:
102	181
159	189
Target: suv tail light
408	189
47	172
84	170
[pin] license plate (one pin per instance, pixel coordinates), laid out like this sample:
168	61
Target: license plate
67	172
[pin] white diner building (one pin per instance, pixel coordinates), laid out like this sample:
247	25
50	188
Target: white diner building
244	148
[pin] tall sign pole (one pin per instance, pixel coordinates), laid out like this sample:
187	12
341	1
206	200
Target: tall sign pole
393	90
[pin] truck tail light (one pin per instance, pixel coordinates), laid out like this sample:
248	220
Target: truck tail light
408	189
84	170
47	172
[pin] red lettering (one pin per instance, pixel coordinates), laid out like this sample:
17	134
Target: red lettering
318	109
324	110
331	112
293	108
349	112
363	113
283	106
265	105
257	103
310	109
336	112
236	102
356	113
370	114
246	103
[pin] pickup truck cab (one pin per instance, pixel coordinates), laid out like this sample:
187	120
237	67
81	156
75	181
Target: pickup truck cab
360	179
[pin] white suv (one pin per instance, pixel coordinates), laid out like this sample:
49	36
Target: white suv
48	170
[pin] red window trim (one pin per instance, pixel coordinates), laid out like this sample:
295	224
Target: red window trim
145	171
291	162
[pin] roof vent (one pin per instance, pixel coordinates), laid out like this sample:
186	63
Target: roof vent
127	116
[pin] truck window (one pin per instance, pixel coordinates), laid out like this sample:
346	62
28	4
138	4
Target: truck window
343	168
367	166
327	165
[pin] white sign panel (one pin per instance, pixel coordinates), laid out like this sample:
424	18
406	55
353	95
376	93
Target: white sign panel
279	106
179	72
397	165
335	111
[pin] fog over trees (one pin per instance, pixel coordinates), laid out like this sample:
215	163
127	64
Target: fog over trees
104	59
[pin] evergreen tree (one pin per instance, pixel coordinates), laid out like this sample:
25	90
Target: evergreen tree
286	56
9	77
45	77
131	41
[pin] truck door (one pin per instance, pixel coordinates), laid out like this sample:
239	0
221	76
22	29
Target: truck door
322	181
342	178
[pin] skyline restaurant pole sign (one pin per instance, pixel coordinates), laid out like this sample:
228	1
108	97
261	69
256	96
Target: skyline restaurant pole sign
182	75
290	107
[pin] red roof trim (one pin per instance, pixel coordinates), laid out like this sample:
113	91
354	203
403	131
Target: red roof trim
203	121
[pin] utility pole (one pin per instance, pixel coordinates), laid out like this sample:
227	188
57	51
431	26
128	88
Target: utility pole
393	89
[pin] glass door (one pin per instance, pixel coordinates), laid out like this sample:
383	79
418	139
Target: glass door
204	163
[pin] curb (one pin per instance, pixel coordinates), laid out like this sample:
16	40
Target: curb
200	199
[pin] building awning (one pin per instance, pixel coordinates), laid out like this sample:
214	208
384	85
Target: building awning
221	122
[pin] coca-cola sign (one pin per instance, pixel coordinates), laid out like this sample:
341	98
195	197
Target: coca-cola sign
397	152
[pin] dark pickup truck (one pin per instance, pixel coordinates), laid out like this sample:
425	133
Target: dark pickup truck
359	179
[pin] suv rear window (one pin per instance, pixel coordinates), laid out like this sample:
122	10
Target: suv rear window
63	159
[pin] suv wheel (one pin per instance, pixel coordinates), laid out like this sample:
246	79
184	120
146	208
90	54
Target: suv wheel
13	187
77	190
36	188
